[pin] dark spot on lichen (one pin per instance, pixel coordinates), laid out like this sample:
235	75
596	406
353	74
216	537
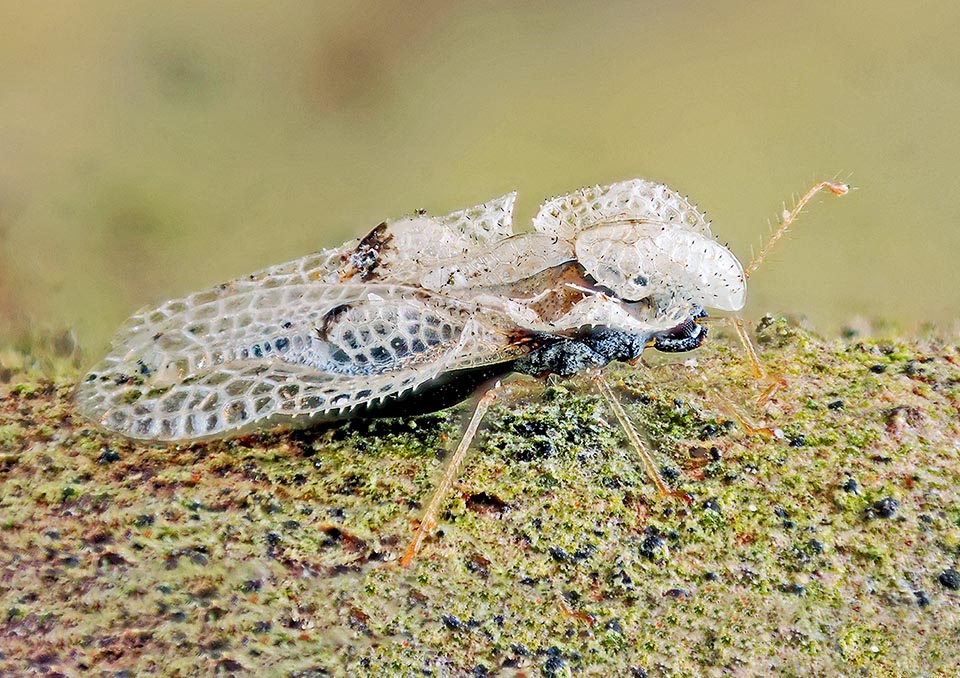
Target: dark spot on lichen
614	625
884	508
113	559
653	547
452	622
108	456
554	666
669	473
949	579
795	589
478	565
349	542
482	502
144	520
229	666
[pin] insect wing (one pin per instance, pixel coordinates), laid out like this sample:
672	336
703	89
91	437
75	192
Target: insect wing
264	351
422	250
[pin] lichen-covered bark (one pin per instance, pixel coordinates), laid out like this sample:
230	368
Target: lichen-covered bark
831	551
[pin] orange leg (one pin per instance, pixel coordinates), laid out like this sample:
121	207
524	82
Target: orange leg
429	520
638	445
775	383
747	425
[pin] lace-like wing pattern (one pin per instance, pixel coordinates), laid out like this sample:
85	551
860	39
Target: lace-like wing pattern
246	356
350	329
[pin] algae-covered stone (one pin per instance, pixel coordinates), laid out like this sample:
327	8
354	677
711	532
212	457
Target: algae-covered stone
825	552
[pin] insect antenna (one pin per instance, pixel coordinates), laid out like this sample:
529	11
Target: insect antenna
790	217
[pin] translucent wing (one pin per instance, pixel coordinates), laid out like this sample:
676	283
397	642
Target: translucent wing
398	250
638	200
266	350
409	249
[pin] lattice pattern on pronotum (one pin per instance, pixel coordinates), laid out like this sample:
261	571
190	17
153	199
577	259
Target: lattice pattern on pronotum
644	240
636	200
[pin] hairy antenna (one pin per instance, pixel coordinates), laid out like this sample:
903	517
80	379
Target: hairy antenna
790	217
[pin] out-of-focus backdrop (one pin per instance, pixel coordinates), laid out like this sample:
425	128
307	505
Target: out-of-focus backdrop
148	149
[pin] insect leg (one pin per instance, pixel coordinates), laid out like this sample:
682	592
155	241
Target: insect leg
648	463
775	383
747	425
428	522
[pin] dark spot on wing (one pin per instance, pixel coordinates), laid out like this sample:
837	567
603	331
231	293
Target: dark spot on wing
399	347
340	356
330	319
365	259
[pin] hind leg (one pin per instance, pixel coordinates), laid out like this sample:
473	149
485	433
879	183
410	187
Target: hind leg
429	519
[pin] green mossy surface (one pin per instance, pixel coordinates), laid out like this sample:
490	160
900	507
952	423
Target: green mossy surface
828	552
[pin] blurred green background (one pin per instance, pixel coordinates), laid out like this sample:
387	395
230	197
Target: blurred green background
148	149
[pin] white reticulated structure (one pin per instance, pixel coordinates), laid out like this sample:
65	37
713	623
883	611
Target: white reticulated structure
417	299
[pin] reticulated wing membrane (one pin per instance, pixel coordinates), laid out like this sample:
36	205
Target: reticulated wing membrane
470	248
420	244
633	200
253	353
481	224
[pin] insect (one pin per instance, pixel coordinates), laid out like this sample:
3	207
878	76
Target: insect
418	313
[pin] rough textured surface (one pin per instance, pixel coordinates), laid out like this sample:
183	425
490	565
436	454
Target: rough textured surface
832	551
